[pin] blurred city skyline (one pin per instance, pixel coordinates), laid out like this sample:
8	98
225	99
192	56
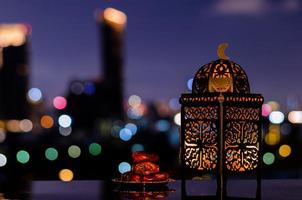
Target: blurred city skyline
166	43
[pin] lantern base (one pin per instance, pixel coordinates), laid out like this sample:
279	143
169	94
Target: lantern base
220	194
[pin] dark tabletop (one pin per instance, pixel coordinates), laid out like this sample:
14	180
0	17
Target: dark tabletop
271	189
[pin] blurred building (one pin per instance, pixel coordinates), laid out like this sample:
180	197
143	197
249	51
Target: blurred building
13	71
103	98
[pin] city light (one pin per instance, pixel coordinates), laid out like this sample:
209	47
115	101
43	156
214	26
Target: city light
115	17
177	119
132	127
59	102
137	147
89	88
268	158
190	84
65	121
46	121
174	104
124	167
134	100
34	95
274	105
266	110
23	156
13	126
26	125
65	131
276	117
51	154
273	136
74	151
3	160
77	88
125	134
95	149
2	135
295	117
13	34
285	151
66	175
162	125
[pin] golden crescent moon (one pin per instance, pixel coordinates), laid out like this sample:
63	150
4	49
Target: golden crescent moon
220	51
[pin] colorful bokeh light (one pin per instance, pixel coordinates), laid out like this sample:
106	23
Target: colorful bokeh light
59	102
23	156
95	149
66	175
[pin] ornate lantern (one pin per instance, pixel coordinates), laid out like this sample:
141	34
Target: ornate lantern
221	125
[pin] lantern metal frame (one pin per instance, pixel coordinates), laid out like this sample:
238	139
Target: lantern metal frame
221	129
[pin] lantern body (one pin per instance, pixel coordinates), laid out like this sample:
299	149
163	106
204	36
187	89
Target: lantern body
221	123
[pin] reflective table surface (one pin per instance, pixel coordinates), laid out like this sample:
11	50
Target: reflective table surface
90	190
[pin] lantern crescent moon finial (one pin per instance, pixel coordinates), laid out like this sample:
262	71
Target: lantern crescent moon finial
220	51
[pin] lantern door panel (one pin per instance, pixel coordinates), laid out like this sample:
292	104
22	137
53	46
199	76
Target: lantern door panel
242	138
200	137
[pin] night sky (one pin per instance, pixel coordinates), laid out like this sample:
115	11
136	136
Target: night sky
166	43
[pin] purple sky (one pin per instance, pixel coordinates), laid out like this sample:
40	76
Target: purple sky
166	42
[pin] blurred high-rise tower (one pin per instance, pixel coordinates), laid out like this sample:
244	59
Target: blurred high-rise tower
112	26
102	98
13	71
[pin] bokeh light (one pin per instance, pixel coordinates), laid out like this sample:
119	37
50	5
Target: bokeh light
276	117
74	151
34	95
89	88
2	135
162	125
59	102
132	127
295	117
95	149
124	167
125	134
174	104
2	124
26	125
134	100
268	158
65	121
285	150
13	126
274	105
266	110
273	136
23	156
46	121
65	131
66	175
137	147
177	119
51	154
190	84
77	88
3	160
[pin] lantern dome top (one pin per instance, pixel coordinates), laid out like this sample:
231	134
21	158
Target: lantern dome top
222	75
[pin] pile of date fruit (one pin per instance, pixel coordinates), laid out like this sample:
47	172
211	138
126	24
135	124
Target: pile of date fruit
145	169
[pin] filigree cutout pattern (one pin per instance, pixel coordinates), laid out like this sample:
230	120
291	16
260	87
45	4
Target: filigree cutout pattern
208	112
201	145
221	79
221	76
241	146
239	113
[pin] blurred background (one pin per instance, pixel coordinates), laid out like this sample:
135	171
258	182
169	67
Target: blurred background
83	85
